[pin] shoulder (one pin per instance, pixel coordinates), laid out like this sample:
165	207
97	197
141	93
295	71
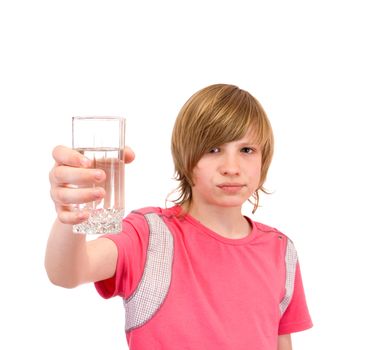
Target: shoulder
138	217
272	234
266	229
146	210
155	210
162	212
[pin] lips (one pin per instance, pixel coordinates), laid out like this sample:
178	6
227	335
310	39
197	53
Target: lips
231	187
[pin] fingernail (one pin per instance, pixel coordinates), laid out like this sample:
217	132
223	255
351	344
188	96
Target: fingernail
98	175
98	193
81	216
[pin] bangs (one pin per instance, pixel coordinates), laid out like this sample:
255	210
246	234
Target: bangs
231	122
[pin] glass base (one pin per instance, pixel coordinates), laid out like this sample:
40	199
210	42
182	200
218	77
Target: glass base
101	221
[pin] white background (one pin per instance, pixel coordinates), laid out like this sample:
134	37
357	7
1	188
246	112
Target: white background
306	61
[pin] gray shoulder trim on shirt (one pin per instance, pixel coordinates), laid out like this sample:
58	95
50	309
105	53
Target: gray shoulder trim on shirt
155	282
290	268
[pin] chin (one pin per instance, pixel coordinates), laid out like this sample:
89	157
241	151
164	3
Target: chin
231	204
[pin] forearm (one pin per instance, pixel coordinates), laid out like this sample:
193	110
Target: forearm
65	255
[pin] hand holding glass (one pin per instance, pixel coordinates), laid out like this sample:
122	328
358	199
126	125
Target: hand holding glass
102	140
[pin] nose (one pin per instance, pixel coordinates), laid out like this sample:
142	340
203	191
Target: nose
229	165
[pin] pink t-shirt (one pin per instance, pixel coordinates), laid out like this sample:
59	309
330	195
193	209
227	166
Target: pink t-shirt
211	292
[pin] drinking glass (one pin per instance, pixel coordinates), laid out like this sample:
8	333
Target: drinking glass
102	140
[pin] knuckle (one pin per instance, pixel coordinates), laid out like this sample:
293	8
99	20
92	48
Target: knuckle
52	175
54	195
63	218
56	174
65	215
60	195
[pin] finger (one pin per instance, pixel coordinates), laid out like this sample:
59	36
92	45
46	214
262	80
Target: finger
61	175
72	217
66	196
129	155
71	157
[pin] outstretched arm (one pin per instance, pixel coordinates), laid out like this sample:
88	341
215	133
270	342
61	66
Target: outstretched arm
69	259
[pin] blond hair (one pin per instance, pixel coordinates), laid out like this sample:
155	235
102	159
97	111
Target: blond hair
213	116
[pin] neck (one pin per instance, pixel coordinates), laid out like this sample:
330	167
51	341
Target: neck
227	222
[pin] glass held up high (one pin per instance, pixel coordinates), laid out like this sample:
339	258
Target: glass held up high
102	140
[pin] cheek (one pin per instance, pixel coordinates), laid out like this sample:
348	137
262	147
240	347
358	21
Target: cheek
258	172
257	176
255	172
198	180
199	174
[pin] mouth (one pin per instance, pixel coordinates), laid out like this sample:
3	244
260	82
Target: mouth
231	187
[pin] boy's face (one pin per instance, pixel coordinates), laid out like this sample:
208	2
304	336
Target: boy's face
227	175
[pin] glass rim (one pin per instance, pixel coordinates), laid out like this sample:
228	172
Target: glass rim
98	118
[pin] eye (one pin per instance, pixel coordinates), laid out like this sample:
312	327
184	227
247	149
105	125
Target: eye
247	150
214	150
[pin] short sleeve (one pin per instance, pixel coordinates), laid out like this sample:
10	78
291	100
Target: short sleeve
296	317
131	245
